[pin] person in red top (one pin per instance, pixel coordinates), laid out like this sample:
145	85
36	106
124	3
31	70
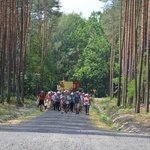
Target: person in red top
41	98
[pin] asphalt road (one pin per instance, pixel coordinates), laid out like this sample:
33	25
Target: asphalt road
55	131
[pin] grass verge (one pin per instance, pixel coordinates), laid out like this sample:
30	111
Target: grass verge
105	114
12	114
99	118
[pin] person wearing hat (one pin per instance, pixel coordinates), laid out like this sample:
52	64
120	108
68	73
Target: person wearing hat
53	101
77	102
71	101
47	101
87	103
57	103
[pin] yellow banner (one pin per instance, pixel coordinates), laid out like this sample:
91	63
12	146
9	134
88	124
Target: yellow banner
68	85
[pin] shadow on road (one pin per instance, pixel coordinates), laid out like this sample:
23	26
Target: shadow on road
70	123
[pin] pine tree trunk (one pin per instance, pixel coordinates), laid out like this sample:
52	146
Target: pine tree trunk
148	60
112	61
18	53
3	48
9	48
143	46
120	57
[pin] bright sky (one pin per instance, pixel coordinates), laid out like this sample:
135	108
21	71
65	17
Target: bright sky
86	7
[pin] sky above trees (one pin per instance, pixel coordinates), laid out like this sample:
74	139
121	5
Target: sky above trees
86	7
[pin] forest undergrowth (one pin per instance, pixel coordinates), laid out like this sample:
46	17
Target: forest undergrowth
12	113
119	119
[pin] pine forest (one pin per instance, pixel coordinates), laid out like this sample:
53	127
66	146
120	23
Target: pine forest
108	52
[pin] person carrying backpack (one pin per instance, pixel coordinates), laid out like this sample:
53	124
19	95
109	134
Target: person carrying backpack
77	102
87	103
57	103
71	101
63	103
53	100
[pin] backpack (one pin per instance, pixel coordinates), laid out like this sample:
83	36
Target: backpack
57	98
77	98
71	99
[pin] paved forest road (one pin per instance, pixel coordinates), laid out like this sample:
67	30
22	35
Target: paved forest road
56	131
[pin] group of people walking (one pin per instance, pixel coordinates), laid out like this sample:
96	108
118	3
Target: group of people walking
65	101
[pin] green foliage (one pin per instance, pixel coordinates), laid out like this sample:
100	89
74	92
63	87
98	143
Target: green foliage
32	82
92	66
131	89
64	47
78	50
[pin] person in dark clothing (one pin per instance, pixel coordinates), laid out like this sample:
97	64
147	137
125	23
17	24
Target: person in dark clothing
71	101
57	103
77	102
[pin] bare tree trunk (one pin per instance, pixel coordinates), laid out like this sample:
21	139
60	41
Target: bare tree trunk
112	58
18	53
126	55
9	48
3	43
131	64
135	54
112	61
135	28
143	46
44	44
25	27
148	60
14	46
120	57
